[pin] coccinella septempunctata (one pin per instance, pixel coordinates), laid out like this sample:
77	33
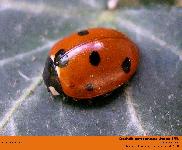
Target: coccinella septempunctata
90	63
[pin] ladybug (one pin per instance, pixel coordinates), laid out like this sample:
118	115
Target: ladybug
90	63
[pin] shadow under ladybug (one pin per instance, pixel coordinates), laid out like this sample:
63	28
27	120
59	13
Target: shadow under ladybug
96	102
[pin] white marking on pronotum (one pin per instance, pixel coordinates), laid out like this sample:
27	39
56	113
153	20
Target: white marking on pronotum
53	91
134	118
19	101
25	54
56	68
149	35
23	76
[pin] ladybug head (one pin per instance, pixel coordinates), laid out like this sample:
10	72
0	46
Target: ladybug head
50	78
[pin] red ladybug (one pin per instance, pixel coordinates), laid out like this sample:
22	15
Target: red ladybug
90	63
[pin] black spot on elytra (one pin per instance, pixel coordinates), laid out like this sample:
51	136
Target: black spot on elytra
60	53
83	32
89	87
61	58
94	58
126	65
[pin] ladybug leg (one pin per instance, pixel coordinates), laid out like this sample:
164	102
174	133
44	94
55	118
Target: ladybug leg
51	79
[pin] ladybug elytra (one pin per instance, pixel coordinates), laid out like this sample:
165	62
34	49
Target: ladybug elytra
90	63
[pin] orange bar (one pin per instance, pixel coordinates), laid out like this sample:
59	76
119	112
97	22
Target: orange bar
91	142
